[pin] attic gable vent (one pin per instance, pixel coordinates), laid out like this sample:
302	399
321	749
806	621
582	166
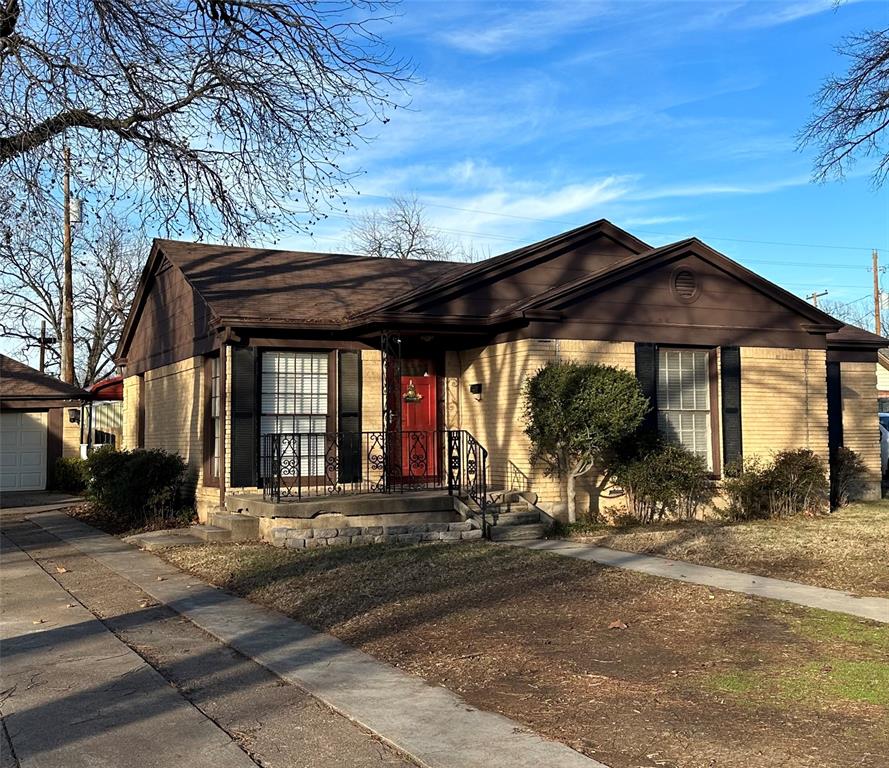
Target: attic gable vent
685	285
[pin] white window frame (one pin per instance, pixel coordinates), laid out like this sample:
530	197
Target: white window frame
683	399
293	398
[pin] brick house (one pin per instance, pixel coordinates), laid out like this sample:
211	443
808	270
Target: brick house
39	422
284	376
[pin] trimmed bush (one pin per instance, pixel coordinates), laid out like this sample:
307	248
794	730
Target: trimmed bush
746	490
137	488
576	416
797	483
794	482
846	471
70	474
664	480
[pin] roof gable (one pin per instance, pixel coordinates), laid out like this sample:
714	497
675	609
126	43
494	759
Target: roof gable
720	277
494	285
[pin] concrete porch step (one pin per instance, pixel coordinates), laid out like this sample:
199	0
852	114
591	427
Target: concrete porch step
211	533
513	518
157	540
240	527
514	532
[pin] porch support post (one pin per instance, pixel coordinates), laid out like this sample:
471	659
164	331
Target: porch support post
224	412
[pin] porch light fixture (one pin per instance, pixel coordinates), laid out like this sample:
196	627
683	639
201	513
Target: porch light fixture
74	415
476	389
412	396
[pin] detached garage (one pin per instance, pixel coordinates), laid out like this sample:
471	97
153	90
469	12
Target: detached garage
39	422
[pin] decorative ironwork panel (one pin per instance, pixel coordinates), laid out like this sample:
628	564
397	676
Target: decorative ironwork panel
307	464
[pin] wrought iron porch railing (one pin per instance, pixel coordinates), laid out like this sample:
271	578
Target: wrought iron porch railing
300	465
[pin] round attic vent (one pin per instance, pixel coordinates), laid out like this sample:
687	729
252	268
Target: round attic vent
685	285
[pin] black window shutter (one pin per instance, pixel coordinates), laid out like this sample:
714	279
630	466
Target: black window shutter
244	457
731	405
349	416
646	373
834	409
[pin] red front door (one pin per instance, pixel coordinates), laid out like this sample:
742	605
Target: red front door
419	425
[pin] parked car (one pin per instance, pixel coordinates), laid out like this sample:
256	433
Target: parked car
884	441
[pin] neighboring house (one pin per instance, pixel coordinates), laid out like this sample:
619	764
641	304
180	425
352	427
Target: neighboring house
883	381
104	418
39	422
385	373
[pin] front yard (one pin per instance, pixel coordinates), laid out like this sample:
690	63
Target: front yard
847	550
698	678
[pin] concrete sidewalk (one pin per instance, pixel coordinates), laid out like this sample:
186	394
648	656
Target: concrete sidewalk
430	724
875	608
77	697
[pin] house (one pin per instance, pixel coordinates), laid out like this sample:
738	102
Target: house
39	422
104	418
883	381
284	376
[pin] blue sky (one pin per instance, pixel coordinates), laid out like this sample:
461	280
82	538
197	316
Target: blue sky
670	119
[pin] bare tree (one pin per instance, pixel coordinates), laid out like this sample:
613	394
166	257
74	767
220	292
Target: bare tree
108	267
30	284
852	110
859	312
228	117
402	231
108	278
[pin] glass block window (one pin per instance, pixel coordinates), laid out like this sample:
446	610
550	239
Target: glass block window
293	399
683	399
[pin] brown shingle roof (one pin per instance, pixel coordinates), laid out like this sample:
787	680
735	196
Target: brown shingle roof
852	334
18	380
258	284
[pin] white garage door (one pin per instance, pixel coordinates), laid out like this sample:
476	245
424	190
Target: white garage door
23	451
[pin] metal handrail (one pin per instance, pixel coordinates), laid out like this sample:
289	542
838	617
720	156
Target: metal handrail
310	464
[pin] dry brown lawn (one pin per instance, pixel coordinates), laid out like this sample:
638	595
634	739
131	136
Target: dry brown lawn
847	550
698	679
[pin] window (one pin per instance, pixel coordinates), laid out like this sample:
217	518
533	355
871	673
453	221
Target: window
211	424
293	399
683	399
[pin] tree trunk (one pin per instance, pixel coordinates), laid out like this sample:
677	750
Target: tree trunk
569	498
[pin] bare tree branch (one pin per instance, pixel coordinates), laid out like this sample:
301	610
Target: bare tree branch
224	117
852	111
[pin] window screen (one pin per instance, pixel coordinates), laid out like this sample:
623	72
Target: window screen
293	399
683	399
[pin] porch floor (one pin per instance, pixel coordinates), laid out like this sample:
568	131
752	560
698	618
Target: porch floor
358	505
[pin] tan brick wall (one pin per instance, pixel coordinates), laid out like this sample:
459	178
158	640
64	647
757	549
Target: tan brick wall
70	433
784	403
783	400
497	420
131	400
371	390
173	412
860	426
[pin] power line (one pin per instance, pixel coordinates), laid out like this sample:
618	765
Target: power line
521	241
562	222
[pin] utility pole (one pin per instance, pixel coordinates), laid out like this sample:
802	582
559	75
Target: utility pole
67	285
813	297
877	325
45	341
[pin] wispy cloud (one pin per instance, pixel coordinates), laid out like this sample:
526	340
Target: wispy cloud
516	28
652	221
777	14
709	189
